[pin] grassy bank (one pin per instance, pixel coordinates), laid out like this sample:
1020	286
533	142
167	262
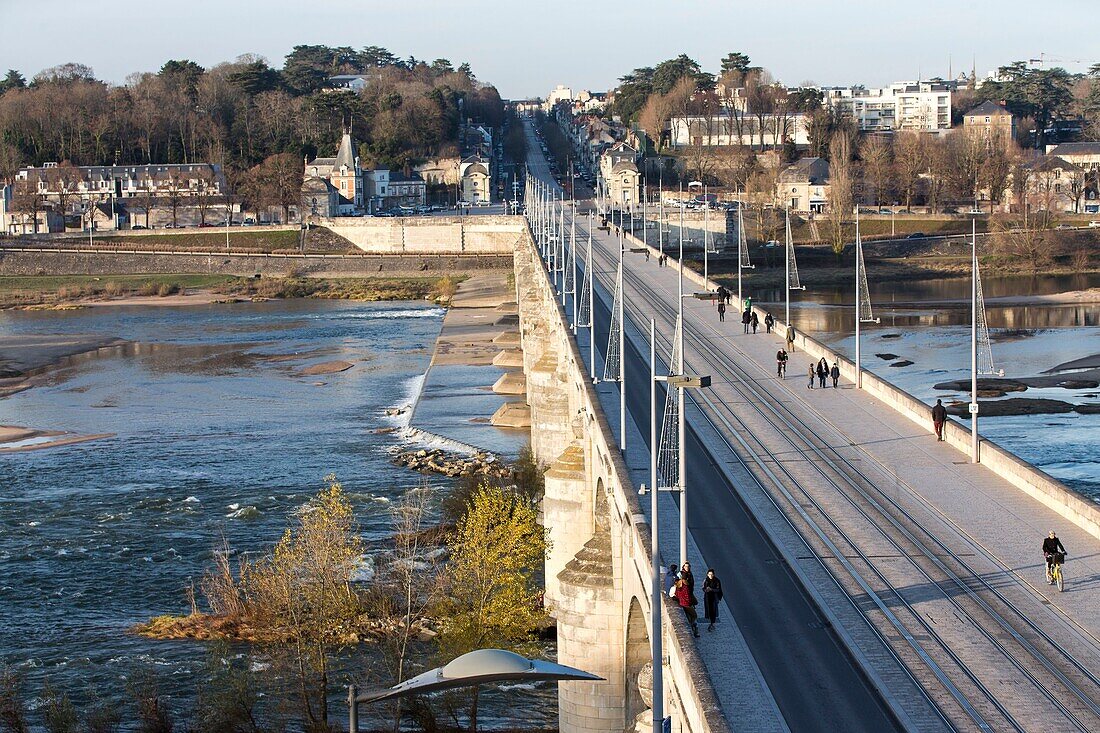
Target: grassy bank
72	290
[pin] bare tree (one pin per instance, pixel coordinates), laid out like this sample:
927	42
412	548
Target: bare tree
205	193
996	171
965	156
146	199
910	160
654	118
679	103
412	583
1078	182
937	172
173	185
841	181
64	183
28	200
878	165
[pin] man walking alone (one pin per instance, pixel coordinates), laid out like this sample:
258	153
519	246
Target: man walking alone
939	417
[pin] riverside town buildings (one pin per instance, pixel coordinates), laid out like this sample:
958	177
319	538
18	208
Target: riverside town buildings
340	186
56	197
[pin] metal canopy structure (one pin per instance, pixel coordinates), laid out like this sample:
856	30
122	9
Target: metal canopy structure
477	668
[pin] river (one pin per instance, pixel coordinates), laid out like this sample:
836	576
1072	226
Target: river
216	433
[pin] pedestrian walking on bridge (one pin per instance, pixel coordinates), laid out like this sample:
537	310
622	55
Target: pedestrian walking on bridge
755	321
746	319
687	602
769	322
939	417
712	595
822	371
671	577
721	311
835	373
812	373
790	339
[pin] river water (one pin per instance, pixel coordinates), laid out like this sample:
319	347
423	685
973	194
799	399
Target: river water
217	433
928	323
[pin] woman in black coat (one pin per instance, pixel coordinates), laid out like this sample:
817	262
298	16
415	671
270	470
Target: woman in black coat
712	594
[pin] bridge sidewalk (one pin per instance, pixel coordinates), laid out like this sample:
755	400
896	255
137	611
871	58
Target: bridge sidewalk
746	700
977	511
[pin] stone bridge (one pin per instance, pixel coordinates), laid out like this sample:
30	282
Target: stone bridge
598	569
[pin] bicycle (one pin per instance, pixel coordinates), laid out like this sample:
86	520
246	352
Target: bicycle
1055	574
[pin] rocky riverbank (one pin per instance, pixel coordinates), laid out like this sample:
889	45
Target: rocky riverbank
452	464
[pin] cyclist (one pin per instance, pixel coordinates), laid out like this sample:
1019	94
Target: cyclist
1051	546
781	363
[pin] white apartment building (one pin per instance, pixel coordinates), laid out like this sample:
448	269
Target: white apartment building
560	93
919	106
723	129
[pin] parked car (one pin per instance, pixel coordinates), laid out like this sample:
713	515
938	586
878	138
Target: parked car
138	226
772	243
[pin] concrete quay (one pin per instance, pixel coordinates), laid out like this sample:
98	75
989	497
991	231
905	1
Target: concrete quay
457	400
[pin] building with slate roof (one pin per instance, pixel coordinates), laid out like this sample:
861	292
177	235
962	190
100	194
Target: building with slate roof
343	174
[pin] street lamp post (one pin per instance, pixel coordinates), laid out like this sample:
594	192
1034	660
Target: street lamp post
590	276
681	425
656	595
622	345
661	212
974	341
573	254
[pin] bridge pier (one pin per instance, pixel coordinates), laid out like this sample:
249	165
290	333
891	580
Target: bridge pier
590	634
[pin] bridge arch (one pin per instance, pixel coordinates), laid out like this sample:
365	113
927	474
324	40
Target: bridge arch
637	659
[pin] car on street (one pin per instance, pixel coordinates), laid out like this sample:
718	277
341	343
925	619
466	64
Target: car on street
1094	224
917	235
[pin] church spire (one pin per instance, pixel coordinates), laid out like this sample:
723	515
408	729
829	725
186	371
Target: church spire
345	156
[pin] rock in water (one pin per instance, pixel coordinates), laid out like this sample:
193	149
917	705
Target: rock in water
1014	406
991	384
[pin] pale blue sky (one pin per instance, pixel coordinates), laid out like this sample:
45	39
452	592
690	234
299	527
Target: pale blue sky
526	47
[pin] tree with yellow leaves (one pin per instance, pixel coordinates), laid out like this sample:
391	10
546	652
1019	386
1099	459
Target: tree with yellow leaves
302	593
491	598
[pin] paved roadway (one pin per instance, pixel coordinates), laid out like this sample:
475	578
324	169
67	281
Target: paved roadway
927	566
811	675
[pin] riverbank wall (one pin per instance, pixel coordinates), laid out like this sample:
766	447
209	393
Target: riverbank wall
36	261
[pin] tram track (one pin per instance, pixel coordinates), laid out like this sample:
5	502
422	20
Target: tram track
1063	685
